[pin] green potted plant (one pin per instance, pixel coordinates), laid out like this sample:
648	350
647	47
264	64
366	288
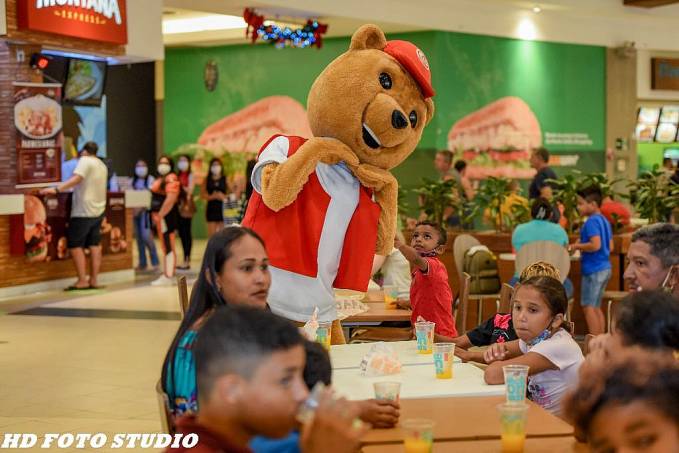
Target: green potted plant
490	202
653	195
436	196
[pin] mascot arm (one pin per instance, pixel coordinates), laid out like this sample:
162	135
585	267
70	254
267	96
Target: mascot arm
282	182
385	188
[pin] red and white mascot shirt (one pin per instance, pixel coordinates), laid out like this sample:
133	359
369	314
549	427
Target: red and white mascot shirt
325	239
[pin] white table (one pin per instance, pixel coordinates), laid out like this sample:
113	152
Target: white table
344	356
418	381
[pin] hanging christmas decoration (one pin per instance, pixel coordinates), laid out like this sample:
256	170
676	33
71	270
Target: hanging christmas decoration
311	34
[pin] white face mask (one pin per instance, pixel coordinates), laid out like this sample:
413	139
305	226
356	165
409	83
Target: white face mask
164	169
141	171
183	165
216	170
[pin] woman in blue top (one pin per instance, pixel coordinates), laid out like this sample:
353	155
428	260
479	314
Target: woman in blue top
540	229
234	271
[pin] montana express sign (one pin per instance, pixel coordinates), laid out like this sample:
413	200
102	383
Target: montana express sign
97	20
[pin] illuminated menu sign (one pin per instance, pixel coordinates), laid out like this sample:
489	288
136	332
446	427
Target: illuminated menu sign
96	20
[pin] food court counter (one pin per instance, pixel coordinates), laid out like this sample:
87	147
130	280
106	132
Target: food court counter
33	251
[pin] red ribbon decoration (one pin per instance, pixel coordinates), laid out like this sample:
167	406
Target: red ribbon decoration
253	20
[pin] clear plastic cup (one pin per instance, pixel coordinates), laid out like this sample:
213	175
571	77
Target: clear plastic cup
387	390
513	427
443	360
307	409
418	435
424	331
323	334
516	377
390	296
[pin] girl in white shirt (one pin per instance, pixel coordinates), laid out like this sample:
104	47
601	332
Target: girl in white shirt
553	357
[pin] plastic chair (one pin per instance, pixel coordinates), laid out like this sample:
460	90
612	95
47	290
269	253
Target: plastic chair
183	295
166	419
463	304
547	251
461	244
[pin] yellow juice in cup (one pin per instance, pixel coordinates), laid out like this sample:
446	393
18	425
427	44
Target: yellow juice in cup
513	442
323	336
443	360
415	445
447	373
425	338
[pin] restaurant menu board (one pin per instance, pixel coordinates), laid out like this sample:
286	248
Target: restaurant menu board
647	123
38	123
667	126
44	227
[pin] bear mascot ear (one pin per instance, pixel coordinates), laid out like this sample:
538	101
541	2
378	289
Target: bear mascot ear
368	37
430	109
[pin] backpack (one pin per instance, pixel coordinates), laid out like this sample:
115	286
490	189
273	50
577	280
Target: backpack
481	265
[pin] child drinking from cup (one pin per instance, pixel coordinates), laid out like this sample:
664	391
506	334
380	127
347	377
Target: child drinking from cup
430	294
553	357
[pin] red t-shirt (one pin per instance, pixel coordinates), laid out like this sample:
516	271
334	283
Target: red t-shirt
608	208
431	297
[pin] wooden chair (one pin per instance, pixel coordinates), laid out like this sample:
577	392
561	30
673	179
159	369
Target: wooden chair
612	297
166	419
463	304
183	295
504	303
588	339
463	243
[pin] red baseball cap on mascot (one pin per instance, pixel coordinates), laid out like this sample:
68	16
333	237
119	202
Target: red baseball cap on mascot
414	61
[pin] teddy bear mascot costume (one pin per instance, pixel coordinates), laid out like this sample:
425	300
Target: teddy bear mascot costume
325	206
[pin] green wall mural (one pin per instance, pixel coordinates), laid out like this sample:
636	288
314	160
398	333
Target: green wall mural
562	84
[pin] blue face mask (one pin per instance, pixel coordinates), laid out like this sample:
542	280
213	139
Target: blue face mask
542	336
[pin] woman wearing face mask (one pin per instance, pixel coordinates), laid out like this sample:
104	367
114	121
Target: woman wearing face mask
214	192
142	180
187	208
553	357
164	213
234	271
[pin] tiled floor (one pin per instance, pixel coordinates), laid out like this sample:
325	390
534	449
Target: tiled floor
80	367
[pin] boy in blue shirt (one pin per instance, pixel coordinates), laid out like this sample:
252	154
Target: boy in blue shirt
595	243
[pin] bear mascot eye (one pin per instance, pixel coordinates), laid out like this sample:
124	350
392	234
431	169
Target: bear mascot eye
385	81
413	118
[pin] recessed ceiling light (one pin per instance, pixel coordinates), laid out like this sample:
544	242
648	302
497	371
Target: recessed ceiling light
536	9
202	23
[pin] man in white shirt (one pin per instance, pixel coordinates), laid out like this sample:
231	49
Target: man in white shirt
89	182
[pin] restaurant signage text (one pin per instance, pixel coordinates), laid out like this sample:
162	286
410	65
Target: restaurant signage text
97	20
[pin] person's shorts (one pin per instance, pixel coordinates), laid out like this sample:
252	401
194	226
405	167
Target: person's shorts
593	287
84	232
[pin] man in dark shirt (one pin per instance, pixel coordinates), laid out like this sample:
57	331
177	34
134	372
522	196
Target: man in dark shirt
539	186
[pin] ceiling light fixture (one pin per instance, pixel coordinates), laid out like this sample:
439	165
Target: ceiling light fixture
202	23
537	9
526	29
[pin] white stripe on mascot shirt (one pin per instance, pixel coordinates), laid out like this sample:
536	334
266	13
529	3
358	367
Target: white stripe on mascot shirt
294	296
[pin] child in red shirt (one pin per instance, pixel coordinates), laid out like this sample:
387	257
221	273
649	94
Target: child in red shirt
430	294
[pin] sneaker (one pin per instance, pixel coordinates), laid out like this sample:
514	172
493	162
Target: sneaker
163	280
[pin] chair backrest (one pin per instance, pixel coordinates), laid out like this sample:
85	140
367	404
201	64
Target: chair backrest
547	251
462	243
506	293
166	419
461	320
183	295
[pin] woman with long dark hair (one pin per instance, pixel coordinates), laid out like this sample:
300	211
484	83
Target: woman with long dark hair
234	271
164	213
187	208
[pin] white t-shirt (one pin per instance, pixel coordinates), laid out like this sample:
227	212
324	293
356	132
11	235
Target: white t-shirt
396	271
89	197
547	388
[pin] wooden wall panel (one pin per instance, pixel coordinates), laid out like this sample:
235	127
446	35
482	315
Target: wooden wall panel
14	270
